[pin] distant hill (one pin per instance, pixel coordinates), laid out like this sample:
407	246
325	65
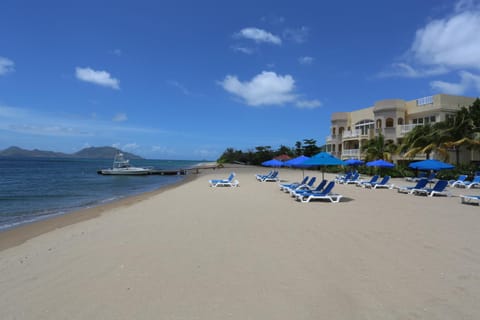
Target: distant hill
103	153
90	153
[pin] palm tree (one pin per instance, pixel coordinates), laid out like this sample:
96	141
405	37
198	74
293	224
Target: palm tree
378	148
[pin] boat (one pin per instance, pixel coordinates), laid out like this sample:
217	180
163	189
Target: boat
121	166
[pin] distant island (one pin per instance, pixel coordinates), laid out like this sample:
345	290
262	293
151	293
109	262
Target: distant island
86	153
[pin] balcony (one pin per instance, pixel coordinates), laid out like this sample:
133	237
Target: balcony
351	153
406	128
352	134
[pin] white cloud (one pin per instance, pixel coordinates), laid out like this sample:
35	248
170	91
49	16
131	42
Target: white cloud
305	60
299	35
308	104
266	88
467	81
162	150
120	117
6	66
117	52
401	69
259	36
130	147
453	42
102	78
245	50
179	86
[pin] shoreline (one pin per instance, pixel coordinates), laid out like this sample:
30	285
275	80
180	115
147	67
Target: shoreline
17	235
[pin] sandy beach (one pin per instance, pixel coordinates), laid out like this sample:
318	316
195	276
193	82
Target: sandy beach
196	252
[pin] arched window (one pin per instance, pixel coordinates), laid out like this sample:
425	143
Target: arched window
400	121
379	123
340	130
333	131
389	123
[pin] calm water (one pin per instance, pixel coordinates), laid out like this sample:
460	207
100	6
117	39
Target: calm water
33	189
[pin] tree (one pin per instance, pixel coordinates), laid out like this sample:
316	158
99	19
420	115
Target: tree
378	148
310	147
298	148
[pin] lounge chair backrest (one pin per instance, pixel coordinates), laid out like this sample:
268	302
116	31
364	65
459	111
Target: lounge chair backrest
374	178
421	183
440	185
462	177
312	181
274	175
384	180
476	179
348	176
328	188
304	180
321	185
431	176
230	178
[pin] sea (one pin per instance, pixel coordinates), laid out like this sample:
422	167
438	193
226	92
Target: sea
33	189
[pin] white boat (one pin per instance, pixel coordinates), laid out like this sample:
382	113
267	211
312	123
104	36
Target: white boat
121	166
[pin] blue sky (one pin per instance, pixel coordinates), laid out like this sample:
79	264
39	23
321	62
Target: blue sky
188	79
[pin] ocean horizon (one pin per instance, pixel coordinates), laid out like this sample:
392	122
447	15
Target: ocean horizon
33	189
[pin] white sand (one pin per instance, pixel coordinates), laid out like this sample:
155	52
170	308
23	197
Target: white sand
195	252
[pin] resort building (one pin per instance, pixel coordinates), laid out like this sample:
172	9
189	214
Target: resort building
392	118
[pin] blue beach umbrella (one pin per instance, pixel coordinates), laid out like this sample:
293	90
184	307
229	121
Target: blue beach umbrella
430	164
297	163
272	163
323	159
380	164
353	162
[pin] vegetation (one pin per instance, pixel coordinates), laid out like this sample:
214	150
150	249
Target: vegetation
263	153
459	130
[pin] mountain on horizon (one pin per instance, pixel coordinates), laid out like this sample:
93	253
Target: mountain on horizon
86	153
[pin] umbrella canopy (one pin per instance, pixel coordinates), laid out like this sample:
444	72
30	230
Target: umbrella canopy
353	162
295	162
322	159
272	163
380	164
430	165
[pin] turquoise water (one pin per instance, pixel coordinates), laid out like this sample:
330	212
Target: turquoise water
32	189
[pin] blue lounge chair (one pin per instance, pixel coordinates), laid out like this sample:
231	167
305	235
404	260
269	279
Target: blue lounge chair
421	184
438	189
374	179
344	178
271	176
470	184
470	199
354	179
319	188
381	184
461	179
325	194
286	186
306	186
229	182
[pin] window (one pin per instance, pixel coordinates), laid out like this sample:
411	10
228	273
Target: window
389	123
400	121
414	121
432	119
424	101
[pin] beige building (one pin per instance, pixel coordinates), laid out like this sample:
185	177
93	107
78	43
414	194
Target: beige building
392	118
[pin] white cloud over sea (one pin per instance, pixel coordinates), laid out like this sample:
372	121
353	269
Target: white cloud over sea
98	77
266	88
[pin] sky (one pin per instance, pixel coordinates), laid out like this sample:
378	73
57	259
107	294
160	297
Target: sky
189	79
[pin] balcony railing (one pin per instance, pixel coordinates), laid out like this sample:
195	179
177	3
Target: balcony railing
351	153
406	128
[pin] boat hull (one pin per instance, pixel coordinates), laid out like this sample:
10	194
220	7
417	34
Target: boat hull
126	172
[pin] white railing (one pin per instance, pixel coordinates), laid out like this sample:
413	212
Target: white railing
406	128
352	134
351	153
